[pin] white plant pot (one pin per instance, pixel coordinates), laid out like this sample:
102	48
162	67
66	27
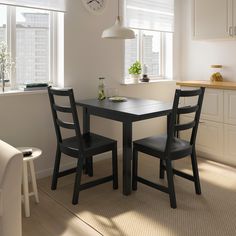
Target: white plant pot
135	77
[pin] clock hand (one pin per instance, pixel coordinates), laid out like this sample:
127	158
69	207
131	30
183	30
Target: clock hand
90	1
98	2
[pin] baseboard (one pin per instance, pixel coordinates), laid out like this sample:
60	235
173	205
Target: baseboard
48	172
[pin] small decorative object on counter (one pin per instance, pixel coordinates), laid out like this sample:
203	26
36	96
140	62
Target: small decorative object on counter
135	71
216	76
145	76
101	89
35	86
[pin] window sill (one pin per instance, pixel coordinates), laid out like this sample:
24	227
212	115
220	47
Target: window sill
151	81
9	92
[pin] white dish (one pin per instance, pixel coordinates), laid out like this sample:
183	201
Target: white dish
118	99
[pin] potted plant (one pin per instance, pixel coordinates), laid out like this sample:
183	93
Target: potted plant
5	64
135	70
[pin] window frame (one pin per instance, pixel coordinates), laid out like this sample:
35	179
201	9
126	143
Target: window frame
140	49
53	43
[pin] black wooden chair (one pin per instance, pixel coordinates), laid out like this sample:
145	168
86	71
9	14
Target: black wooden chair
169	147
80	146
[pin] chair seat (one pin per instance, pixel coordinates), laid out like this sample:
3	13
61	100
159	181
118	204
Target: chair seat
155	145
91	142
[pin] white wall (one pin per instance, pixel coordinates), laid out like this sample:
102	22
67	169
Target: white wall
91	57
25	120
197	56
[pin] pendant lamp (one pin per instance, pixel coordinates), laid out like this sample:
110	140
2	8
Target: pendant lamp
117	31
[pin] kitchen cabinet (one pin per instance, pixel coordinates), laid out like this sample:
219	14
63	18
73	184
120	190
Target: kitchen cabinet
230	107
216	138
212	108
214	19
229	143
230	125
209	142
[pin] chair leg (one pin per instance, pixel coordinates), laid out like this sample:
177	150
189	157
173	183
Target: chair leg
135	169
90	166
78	175
195	173
169	172
114	167
56	169
85	167
162	170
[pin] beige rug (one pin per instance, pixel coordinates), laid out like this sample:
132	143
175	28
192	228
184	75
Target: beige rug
147	211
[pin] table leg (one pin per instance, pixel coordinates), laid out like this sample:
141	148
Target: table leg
86	128
127	157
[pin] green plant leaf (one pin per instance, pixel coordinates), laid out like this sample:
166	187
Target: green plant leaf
136	68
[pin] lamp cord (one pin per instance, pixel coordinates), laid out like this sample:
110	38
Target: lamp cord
119	8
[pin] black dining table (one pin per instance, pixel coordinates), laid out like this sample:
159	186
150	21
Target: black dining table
127	112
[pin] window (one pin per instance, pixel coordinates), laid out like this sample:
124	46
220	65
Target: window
32	38
32	43
152	22
3	23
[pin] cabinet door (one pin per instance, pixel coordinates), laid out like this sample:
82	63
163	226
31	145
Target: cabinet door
230	107
209	142
211	19
229	144
212	108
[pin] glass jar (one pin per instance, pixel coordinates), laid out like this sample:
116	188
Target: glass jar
216	73
101	89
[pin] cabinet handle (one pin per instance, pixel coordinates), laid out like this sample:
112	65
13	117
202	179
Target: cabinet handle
231	31
234	30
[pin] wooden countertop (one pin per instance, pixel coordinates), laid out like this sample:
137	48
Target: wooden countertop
208	84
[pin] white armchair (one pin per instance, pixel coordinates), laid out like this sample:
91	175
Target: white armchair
10	190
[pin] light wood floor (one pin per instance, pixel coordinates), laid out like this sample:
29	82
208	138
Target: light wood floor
49	218
103	211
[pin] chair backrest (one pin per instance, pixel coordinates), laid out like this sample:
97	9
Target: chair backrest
69	109
174	126
11	161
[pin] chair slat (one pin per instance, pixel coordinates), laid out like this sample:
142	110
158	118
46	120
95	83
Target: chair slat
187	109
62	109
65	125
190	93
69	151
61	92
185	126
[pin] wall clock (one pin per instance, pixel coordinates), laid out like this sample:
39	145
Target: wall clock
96	7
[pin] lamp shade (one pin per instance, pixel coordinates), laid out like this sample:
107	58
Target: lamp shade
117	31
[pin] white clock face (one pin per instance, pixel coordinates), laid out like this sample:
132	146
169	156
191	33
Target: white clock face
95	6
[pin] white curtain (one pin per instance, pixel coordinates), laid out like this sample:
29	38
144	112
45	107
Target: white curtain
150	14
52	5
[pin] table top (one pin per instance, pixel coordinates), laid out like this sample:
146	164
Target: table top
36	152
134	108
